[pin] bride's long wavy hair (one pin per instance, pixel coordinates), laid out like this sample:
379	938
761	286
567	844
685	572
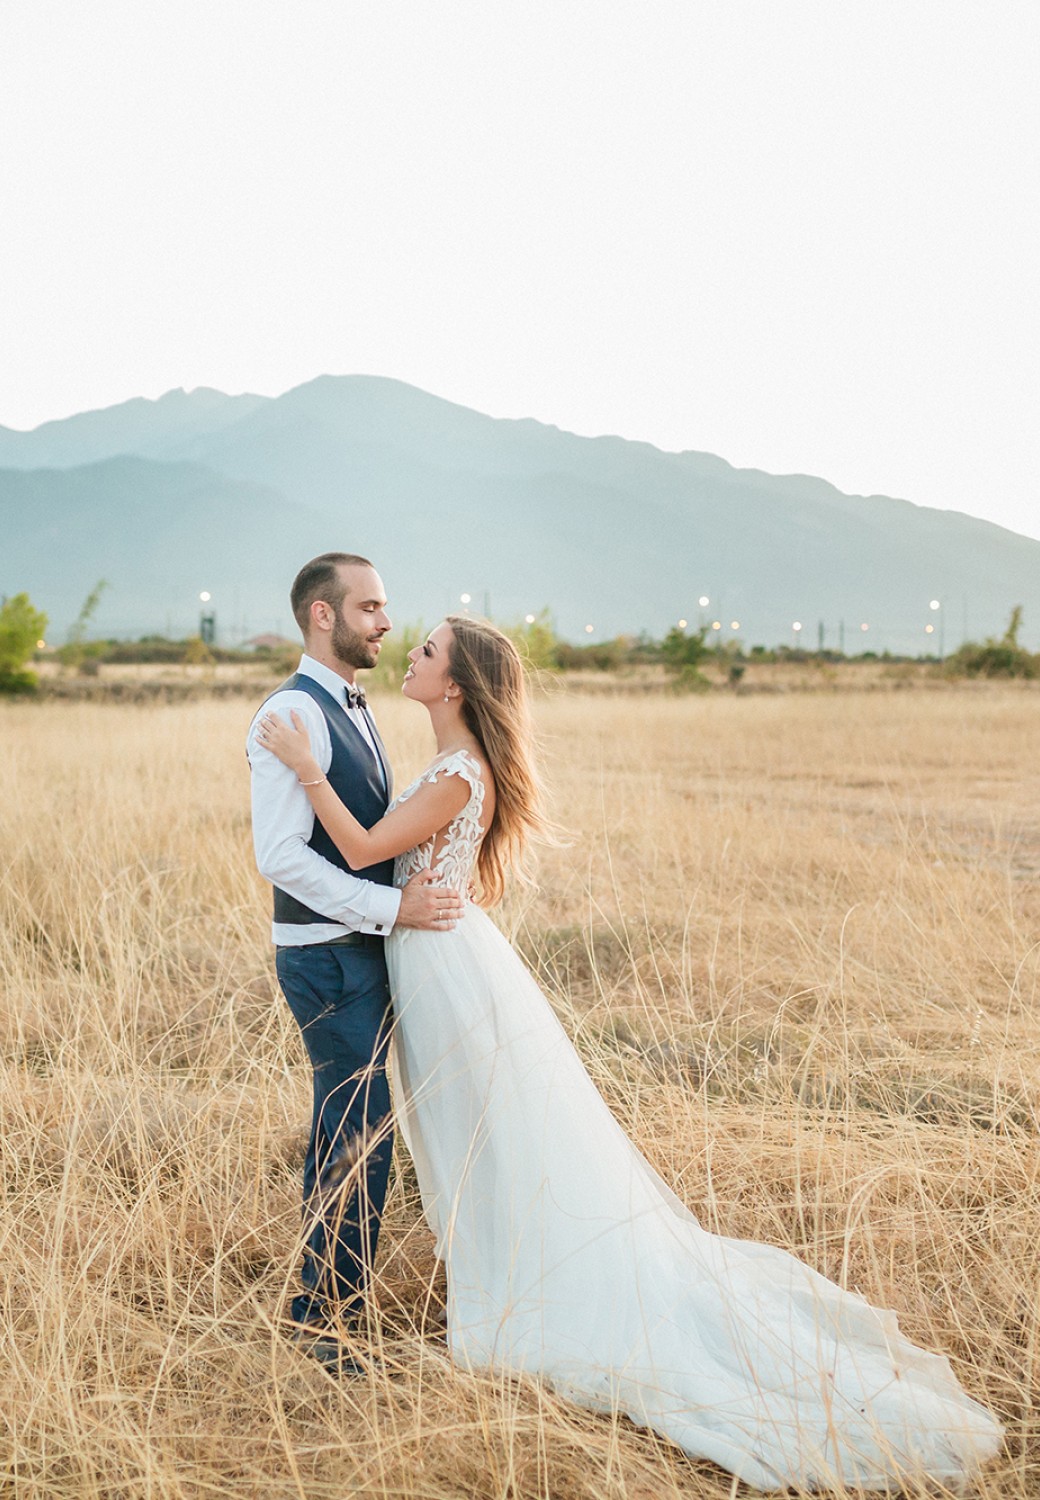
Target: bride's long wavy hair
486	666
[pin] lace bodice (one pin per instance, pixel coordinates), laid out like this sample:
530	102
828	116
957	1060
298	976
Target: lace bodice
456	846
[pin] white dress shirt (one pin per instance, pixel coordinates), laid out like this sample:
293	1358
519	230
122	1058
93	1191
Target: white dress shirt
283	821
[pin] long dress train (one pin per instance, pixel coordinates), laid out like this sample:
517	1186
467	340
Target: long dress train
570	1259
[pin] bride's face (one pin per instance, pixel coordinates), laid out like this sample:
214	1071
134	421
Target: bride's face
428	678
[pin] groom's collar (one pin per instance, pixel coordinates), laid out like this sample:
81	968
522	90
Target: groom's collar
331	681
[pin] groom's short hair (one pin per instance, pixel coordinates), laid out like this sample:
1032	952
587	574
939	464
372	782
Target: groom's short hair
321	579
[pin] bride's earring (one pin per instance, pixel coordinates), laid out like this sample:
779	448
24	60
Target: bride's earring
447	697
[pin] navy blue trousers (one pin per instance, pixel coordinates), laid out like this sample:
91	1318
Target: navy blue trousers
340	998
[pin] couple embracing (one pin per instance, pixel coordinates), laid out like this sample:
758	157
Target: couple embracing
568	1258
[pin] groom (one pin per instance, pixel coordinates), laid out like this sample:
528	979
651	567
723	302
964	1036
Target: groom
329	926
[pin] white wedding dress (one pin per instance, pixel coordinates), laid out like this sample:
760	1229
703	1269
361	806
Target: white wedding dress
569	1258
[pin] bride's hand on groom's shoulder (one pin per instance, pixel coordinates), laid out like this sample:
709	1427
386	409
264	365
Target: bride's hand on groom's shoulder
290	743
435	908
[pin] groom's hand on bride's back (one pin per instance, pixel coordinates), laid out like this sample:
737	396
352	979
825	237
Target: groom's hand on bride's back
425	904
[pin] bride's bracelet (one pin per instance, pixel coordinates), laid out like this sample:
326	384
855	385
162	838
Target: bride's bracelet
313	783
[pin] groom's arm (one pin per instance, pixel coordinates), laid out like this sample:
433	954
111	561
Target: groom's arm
283	822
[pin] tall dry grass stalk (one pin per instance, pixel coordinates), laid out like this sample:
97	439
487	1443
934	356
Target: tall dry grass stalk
794	940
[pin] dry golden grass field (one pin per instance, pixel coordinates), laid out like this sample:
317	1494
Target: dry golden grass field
794	937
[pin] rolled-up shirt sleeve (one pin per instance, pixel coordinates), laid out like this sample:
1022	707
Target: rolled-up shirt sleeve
283	821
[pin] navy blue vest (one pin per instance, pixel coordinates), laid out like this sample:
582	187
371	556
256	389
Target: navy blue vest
354	777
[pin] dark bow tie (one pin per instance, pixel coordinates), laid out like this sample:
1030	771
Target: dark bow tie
356	697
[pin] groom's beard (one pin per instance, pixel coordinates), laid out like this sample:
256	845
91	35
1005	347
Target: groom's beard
351	647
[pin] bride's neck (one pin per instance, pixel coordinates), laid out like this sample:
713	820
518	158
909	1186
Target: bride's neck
450	729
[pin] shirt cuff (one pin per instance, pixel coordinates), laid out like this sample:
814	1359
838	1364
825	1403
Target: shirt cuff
384	902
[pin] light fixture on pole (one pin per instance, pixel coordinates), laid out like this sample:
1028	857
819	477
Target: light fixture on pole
207	620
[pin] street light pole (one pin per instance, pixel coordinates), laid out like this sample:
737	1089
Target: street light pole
207	620
936	604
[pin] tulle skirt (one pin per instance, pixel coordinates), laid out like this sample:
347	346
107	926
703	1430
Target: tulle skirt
570	1259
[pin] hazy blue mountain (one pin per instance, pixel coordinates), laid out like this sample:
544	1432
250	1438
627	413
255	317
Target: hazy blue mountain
160	534
137	426
616	534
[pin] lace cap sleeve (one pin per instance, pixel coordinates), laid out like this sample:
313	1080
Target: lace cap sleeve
459	763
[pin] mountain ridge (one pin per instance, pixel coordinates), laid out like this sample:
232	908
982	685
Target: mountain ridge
601	530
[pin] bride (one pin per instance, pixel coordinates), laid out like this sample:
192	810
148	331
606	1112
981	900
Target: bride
568	1257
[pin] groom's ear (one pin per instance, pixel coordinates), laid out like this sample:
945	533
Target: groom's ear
322	615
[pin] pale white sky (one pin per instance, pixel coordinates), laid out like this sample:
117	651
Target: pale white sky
801	234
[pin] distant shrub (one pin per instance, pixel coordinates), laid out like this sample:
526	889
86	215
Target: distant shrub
601	656
537	642
83	657
79	654
282	661
157	650
150	651
993	658
21	628
643	650
197	652
683	655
